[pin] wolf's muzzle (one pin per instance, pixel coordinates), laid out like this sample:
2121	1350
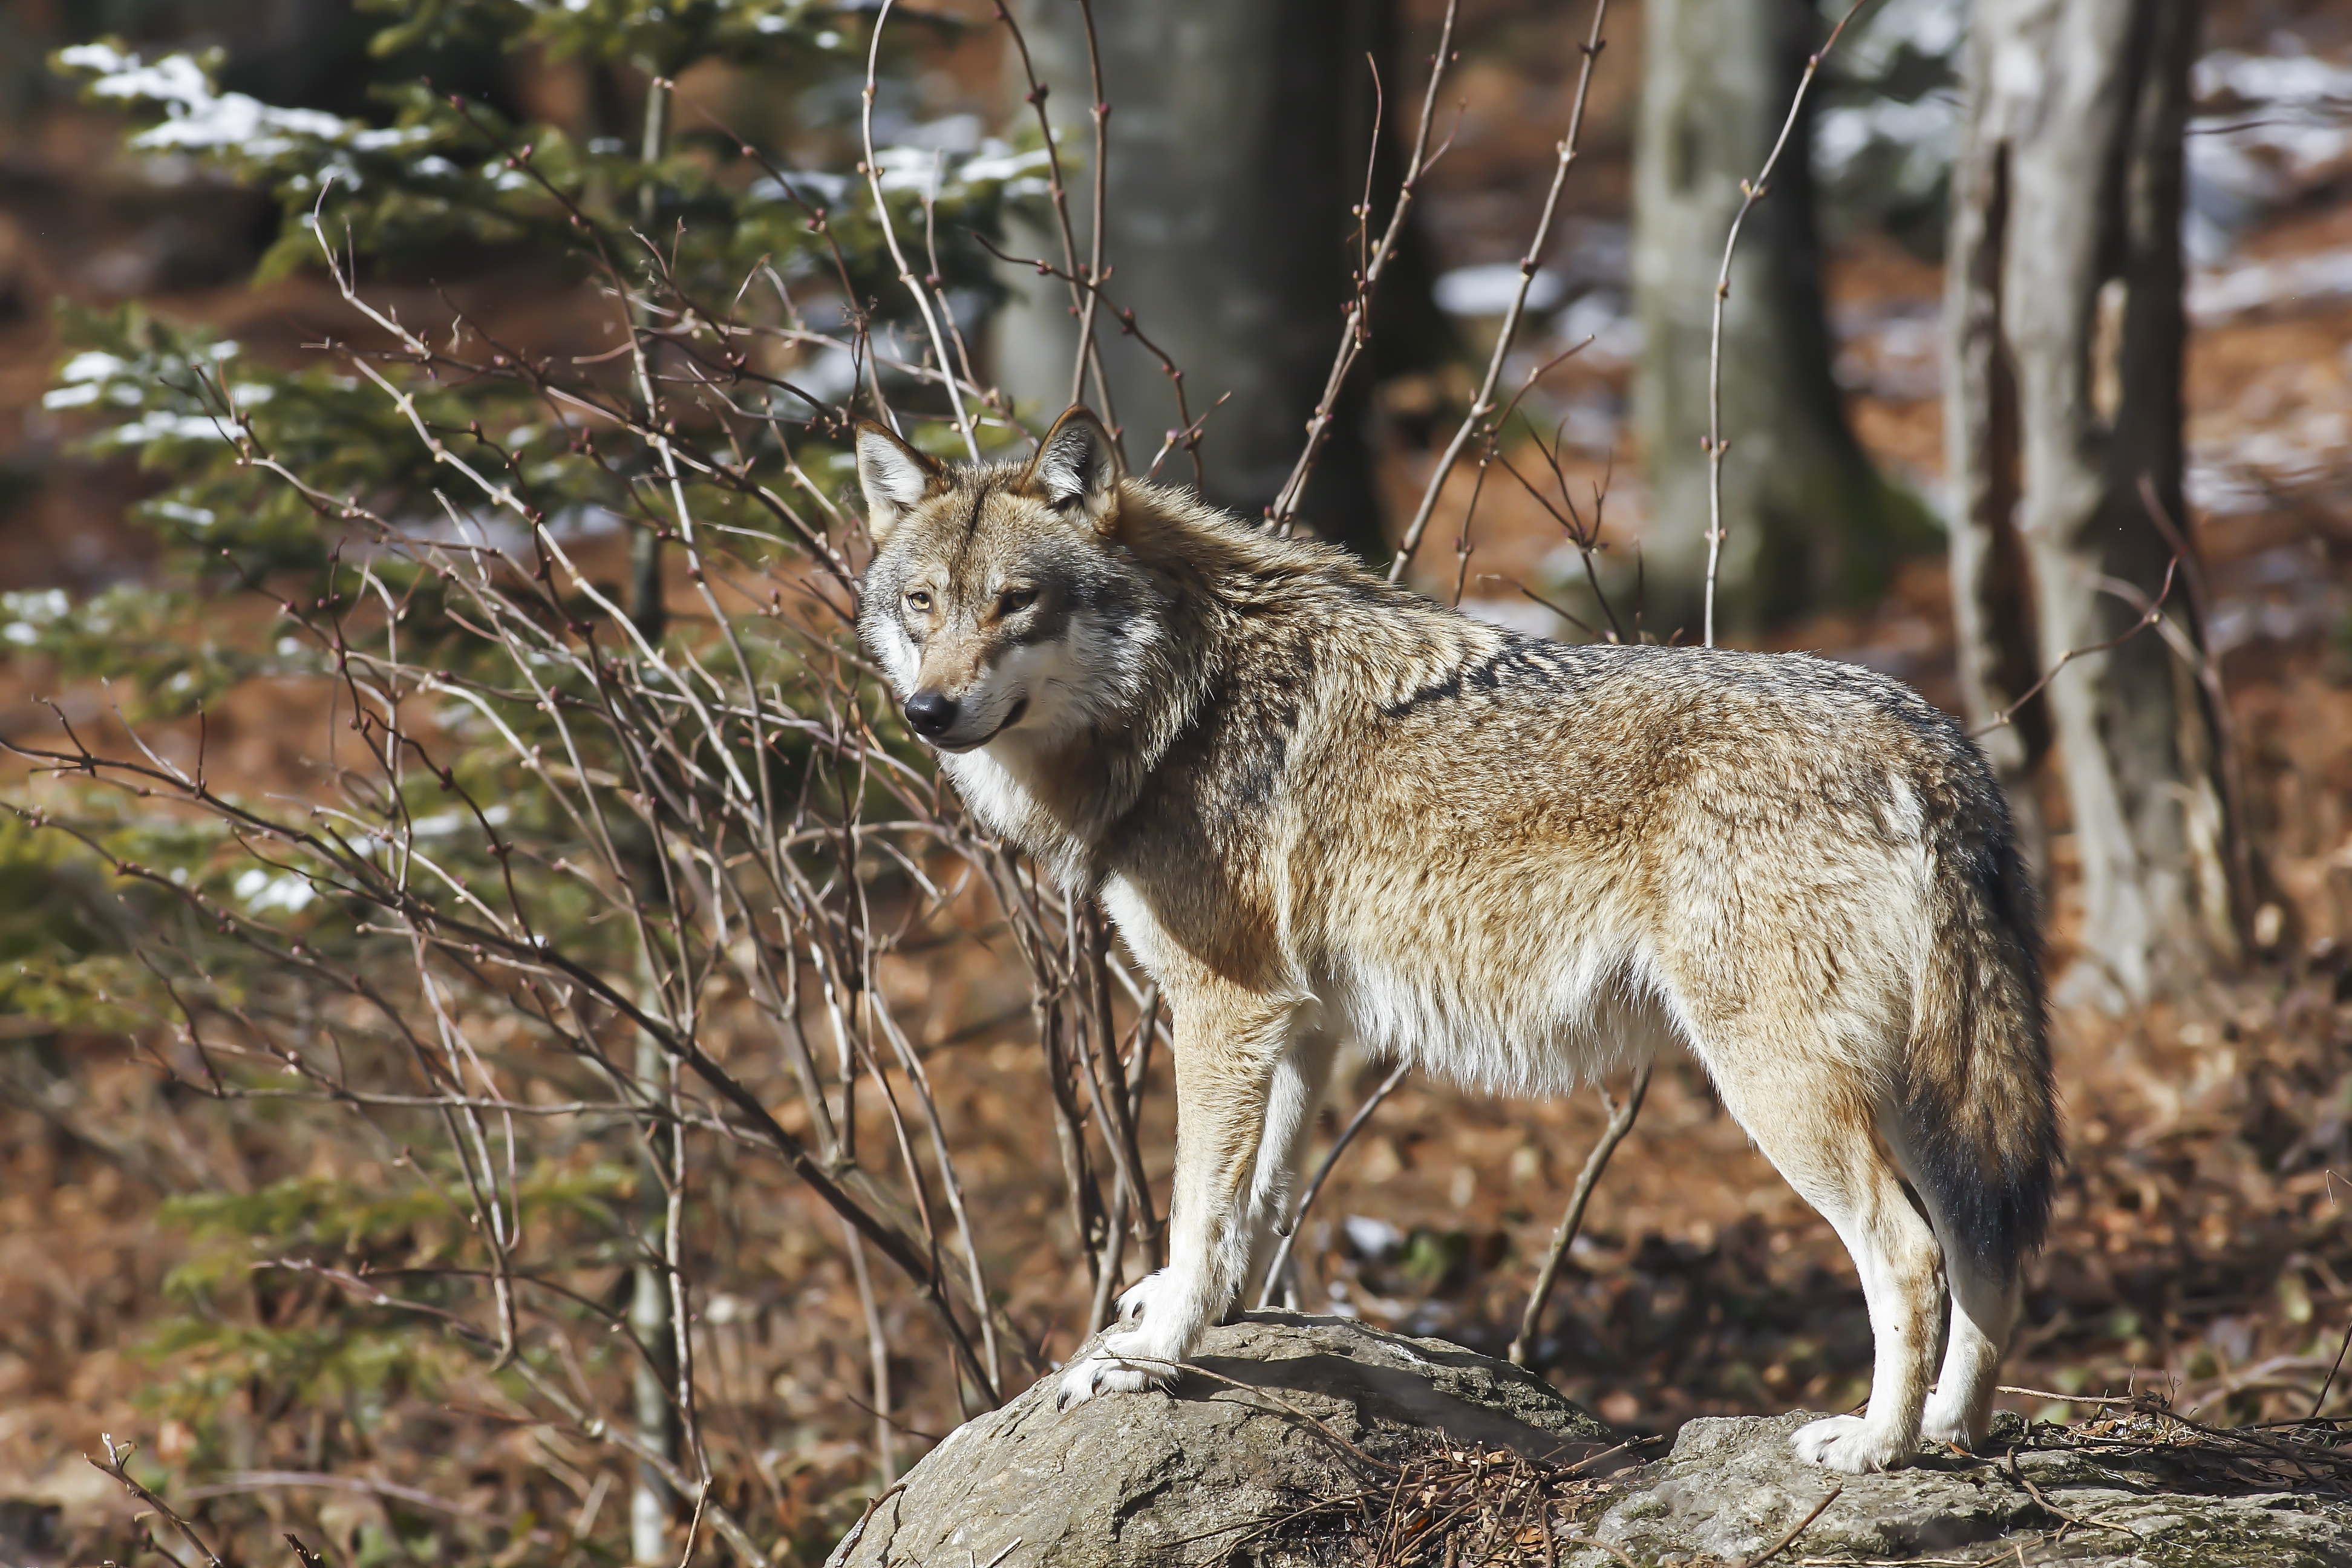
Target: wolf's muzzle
931	712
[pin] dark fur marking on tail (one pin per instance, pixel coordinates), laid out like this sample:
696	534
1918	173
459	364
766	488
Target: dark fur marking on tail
1991	1169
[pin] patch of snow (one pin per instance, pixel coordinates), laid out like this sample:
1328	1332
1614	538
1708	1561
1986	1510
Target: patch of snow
1896	354
2272	125
2288	75
828	375
956	133
159	425
180	511
1489	288
93	366
997	162
2301	281
1605	316
1932	30
32	612
1372	1238
1922	134
261	889
815	186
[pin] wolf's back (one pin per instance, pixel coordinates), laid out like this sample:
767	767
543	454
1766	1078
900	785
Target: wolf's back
1979	1107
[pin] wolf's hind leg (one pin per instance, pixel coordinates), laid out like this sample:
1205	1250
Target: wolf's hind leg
1805	1110
1298	1093
1984	1312
1986	1301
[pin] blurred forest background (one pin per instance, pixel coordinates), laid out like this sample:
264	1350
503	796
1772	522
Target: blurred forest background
506	1053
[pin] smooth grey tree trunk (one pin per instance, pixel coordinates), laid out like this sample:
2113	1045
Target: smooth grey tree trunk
2064	407
2000	656
1807	517
1238	134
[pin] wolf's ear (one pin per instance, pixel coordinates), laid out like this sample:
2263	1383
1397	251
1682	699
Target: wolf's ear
894	475
1077	469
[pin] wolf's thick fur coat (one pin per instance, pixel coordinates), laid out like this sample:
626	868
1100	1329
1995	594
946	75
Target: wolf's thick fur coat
1319	807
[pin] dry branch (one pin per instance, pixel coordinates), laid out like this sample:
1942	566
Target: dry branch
1750	193
1621	1122
1482	404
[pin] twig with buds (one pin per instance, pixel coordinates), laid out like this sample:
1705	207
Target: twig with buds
1750	193
1482	405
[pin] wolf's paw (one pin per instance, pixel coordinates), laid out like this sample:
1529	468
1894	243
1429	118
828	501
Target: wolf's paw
1108	1370
1849	1444
1945	1423
1135	1302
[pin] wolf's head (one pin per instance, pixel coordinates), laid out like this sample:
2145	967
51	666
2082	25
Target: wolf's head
1001	600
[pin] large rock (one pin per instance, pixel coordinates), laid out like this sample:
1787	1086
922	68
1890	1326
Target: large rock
1174	1479
1286	1406
1732	1488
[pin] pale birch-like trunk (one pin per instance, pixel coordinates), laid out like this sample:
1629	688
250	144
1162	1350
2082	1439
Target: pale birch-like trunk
2063	410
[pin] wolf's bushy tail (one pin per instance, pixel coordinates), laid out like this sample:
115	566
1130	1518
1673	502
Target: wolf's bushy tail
1979	1105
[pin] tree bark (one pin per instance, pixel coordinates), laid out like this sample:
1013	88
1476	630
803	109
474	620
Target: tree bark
1999	657
1806	516
2064	413
1238	135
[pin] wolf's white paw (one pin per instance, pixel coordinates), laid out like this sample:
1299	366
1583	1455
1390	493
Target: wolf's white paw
1108	1370
1947	1422
1135	1302
1849	1444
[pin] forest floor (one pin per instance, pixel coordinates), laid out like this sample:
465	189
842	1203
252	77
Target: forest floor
2198	1249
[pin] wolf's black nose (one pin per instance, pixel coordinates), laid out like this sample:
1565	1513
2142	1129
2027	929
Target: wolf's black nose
930	712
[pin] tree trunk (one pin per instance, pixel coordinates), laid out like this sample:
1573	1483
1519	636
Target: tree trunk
1806	516
653	1507
1999	657
2064	413
1238	135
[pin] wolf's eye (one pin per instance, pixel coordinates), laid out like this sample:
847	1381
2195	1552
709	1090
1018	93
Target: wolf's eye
1016	600
920	601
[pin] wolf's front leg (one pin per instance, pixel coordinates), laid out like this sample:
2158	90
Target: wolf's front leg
1300	1080
1225	1066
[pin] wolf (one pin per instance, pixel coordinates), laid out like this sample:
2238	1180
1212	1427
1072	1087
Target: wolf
1319	807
